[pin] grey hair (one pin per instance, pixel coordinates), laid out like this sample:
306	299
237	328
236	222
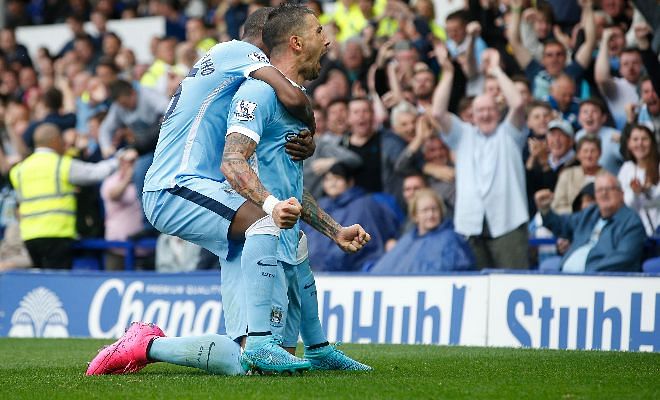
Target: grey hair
608	174
403	107
350	40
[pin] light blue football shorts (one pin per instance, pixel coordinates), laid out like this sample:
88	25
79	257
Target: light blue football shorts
198	210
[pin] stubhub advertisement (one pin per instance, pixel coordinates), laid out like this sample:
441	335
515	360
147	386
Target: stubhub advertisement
574	312
448	309
606	312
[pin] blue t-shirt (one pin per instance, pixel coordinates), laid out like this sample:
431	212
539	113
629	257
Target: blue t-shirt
257	113
541	80
192	135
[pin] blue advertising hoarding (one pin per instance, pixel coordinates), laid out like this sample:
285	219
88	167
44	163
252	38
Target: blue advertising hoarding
600	312
64	304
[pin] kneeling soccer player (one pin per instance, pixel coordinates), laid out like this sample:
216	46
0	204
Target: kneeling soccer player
145	343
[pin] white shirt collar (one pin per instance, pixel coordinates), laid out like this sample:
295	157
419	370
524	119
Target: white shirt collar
44	150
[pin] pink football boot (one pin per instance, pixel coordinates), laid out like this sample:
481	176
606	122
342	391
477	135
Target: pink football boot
128	354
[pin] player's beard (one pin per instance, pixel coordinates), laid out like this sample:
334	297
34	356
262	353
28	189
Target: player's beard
312	72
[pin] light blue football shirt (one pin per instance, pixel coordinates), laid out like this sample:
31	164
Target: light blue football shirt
257	113
192	135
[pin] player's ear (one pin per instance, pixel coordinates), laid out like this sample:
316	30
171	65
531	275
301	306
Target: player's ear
295	42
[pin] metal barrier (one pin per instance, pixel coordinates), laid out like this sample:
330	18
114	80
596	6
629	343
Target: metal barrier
130	247
150	243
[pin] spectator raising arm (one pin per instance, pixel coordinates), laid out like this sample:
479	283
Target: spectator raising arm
516	114
117	188
407	160
380	110
583	54
520	53
644	34
470	67
440	105
110	124
394	83
602	69
86	173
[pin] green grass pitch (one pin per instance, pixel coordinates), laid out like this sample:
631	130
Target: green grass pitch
51	368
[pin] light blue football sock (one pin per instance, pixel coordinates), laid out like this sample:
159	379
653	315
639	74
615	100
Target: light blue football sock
310	326
233	297
216	354
259	267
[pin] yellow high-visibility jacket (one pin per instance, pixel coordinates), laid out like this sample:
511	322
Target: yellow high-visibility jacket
47	203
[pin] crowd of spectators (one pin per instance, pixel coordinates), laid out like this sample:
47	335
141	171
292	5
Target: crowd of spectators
452	139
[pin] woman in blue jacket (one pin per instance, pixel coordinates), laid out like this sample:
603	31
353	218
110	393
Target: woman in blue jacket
431	247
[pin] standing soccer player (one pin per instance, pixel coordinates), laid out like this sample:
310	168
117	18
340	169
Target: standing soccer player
259	126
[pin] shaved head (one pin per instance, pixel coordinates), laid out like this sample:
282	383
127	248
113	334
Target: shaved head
49	135
483	99
283	22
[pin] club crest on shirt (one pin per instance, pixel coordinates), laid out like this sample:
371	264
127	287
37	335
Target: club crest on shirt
258	57
245	110
276	316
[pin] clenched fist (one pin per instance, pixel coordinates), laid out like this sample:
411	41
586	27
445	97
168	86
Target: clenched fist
286	213
352	238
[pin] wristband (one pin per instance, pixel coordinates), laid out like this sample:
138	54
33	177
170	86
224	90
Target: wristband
269	204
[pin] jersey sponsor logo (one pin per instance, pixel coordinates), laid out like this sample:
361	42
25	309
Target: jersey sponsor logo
245	110
40	314
258	57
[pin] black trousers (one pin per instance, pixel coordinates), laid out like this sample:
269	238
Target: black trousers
507	251
55	253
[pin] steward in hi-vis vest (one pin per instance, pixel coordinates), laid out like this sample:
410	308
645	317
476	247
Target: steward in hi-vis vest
45	183
47	199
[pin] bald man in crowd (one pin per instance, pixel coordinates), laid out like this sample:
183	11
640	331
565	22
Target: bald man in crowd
491	201
606	236
45	185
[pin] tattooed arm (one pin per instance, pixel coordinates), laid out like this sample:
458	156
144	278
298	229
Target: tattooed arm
241	177
350	239
317	218
235	167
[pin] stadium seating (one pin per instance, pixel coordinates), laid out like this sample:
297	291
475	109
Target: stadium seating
90	262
